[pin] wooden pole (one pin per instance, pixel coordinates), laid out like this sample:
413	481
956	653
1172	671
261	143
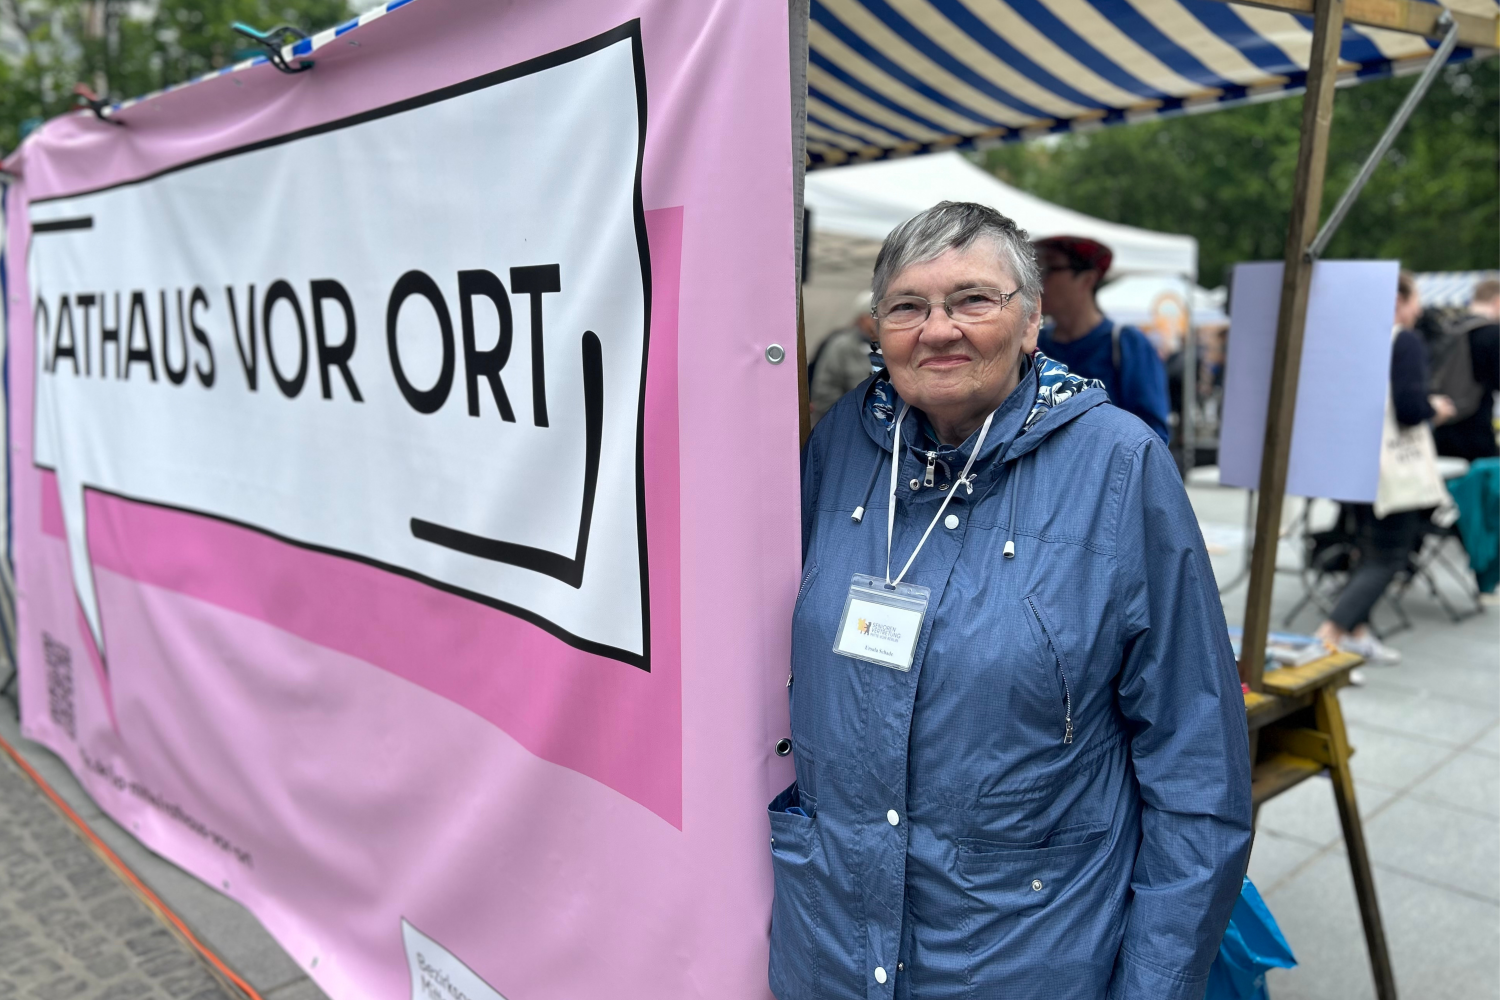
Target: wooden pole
1330	720
1307	203
798	14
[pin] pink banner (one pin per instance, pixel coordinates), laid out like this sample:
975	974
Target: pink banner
404	506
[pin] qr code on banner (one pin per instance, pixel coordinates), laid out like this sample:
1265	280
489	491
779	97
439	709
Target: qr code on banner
60	683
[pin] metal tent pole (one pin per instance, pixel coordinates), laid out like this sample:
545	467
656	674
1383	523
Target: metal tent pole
1413	98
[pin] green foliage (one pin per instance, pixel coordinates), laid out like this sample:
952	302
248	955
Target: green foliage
122	48
1226	177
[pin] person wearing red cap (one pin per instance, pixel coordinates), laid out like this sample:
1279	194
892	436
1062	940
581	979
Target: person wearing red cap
1087	341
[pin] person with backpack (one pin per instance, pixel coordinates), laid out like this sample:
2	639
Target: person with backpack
1090	343
1464	355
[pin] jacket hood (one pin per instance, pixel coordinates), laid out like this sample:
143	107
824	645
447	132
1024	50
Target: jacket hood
1055	395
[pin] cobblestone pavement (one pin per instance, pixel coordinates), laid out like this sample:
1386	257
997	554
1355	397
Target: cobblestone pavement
70	929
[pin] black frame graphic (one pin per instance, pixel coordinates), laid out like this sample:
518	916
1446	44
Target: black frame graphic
567	568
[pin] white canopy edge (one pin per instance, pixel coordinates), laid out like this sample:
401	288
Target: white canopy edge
871	199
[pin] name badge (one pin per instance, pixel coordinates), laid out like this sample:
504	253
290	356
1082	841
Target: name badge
881	622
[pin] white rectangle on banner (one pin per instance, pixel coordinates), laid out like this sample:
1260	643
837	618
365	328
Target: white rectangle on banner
436	974
416	337
1342	388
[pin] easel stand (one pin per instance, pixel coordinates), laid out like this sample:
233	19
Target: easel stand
1296	727
1297	732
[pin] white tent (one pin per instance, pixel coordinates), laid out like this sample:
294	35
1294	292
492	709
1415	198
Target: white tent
869	200
1163	306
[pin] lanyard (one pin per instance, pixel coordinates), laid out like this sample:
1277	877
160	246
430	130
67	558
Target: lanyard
890	516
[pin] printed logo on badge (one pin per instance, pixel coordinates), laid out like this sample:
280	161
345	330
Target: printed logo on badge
882	622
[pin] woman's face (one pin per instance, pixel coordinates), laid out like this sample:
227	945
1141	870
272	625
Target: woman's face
950	367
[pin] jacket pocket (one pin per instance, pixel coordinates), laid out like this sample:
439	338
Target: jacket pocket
795	917
1047	639
1021	899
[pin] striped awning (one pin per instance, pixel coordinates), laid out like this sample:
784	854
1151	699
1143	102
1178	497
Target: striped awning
894	77
1450	289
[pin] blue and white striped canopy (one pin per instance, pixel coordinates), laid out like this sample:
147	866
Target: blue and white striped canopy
893	77
1450	289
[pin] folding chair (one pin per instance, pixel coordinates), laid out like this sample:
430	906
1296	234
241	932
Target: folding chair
1431	556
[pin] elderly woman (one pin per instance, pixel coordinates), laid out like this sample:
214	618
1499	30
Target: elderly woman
1022	765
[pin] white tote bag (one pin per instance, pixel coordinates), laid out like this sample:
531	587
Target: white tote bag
1409	478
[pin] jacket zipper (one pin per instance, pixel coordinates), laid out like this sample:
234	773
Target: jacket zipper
931	468
802	592
1067	692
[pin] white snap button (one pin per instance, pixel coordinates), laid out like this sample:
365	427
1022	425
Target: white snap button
880	975
951	521
893	817
1036	884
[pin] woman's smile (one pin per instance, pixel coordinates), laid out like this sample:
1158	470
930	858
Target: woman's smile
945	361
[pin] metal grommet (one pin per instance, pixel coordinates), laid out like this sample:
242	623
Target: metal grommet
1036	885
783	747
775	354
916	484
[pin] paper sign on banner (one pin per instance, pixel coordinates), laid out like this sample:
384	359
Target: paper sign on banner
436	974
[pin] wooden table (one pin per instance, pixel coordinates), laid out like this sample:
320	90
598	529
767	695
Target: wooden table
1296	732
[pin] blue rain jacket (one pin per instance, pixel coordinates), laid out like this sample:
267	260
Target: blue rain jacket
1055	800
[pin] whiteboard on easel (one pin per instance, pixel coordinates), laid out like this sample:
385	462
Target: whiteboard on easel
1344	381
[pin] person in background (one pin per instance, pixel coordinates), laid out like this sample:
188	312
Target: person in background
1469	373
1385	543
1471	434
1087	341
842	361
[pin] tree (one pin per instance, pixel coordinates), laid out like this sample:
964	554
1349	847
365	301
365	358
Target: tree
123	48
1226	177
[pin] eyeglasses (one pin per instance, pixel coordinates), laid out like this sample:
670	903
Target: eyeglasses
967	305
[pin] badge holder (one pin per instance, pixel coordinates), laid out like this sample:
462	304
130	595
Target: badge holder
882	621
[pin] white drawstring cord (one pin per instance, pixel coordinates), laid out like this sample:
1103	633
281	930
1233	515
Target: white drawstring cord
1015	487
890	517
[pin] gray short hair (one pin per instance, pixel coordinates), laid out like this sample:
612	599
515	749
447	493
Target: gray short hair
958	225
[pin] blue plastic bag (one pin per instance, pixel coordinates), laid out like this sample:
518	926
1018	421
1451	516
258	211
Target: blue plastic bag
1252	944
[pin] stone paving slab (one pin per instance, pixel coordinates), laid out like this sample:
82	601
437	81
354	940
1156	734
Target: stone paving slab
221	923
70	929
